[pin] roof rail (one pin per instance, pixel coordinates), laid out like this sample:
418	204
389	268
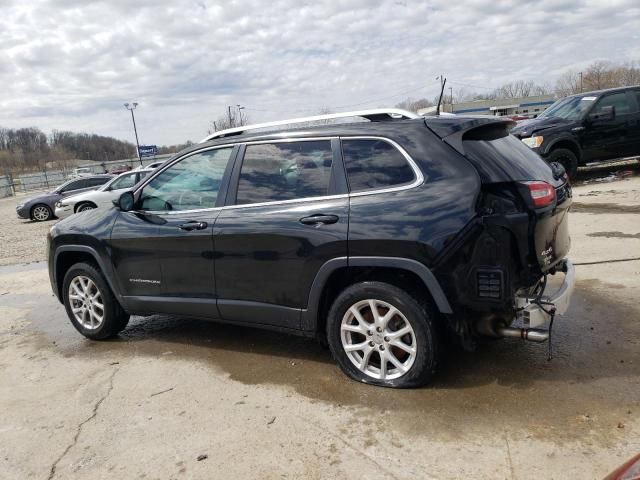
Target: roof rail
374	115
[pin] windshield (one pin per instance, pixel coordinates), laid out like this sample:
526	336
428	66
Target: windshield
570	108
59	189
106	185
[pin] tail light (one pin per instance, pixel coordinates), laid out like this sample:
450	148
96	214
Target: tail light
542	194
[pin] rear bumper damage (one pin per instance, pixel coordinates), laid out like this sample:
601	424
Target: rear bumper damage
536	314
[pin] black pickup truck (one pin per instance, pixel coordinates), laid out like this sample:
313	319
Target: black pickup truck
588	127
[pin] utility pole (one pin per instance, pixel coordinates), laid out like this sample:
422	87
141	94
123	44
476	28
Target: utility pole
240	114
580	82
230	121
443	82
135	130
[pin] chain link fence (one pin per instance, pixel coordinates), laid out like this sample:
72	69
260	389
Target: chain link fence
17	183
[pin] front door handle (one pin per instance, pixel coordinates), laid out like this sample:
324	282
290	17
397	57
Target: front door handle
319	219
189	226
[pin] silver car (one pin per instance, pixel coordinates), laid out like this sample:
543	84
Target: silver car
102	197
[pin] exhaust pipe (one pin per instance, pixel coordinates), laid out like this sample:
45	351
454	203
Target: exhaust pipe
531	334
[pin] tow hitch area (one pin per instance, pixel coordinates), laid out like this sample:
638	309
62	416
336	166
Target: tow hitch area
537	312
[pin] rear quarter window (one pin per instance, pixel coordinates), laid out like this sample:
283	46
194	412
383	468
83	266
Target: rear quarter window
373	164
501	157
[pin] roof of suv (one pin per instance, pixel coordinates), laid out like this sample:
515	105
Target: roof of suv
441	125
605	90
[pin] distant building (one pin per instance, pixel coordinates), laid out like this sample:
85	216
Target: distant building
526	106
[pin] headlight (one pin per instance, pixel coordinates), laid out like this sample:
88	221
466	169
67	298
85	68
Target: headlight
533	142
60	205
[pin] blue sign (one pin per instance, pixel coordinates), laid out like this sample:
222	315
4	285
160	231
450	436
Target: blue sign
148	150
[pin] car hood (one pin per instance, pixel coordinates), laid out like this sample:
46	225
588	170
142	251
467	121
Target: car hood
526	128
42	198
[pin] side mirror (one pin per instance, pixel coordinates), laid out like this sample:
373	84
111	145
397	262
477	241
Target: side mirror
125	202
604	114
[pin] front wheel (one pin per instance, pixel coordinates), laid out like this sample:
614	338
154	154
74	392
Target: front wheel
90	304
380	334
83	207
41	213
567	159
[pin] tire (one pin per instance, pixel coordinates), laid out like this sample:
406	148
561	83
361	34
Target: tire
343	329
82	281
567	159
41	213
83	207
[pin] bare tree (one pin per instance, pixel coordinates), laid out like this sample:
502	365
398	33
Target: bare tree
231	118
598	76
626	74
567	84
413	105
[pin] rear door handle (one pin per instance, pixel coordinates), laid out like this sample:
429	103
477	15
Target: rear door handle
319	219
189	226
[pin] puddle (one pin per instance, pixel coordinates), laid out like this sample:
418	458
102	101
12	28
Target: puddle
580	207
614	235
590	385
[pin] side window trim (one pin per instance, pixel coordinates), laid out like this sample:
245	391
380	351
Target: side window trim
223	183
417	172
338	183
234	177
338	171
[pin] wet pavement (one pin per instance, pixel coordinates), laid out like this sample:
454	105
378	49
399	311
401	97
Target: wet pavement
265	405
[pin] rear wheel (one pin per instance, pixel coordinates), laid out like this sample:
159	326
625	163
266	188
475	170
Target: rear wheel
380	334
567	159
41	213
90	304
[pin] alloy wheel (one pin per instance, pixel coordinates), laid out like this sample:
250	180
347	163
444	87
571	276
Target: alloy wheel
41	213
86	207
378	339
86	302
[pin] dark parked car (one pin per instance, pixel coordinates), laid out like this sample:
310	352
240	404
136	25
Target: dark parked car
41	208
377	237
588	127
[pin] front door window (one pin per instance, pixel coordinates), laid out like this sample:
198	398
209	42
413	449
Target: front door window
191	184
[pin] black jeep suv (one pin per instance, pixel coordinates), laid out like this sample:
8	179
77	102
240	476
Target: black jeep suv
588	127
378	237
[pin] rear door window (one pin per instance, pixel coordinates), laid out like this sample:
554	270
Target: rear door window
375	164
274	172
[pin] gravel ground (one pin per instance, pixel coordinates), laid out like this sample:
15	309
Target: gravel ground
23	241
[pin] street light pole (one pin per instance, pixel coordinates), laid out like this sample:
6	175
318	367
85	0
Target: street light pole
135	130
240	114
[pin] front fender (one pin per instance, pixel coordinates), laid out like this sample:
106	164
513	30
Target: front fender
548	146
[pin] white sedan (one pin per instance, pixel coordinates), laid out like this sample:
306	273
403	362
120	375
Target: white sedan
102	197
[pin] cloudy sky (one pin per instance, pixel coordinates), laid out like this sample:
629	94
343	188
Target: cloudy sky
71	64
